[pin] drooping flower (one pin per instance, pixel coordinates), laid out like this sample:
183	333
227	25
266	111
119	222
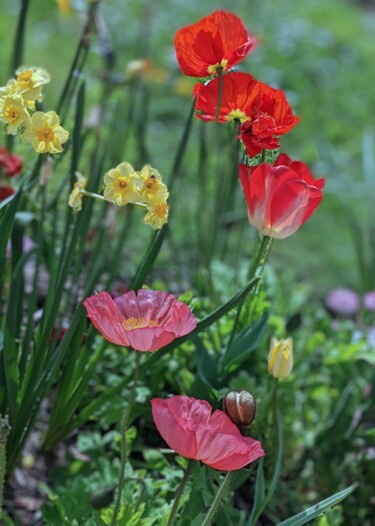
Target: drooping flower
122	185
189	428
282	197
44	132
146	321
75	198
239	92
30	81
218	41
13	112
280	358
5	192
271	116
10	163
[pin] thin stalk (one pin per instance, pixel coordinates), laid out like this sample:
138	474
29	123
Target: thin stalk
280	446
124	426
223	490
180	490
4	431
19	40
255	271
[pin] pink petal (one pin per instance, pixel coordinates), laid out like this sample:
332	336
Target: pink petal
105	316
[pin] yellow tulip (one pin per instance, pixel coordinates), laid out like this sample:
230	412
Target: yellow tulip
280	358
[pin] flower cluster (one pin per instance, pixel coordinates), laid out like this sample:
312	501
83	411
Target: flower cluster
282	197
18	100
124	185
10	166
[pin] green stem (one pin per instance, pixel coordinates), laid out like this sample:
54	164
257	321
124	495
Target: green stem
4	430
280	445
255	271
223	490
179	493
19	40
124	426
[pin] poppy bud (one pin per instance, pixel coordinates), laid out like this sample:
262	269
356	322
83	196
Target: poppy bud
240	407
280	358
103	497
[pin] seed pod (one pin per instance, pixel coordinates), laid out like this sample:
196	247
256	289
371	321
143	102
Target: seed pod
240	407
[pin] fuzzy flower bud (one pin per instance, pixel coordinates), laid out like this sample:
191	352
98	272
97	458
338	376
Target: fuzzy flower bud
240	407
280	358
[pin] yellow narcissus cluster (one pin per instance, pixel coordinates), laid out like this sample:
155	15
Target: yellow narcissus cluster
124	185
17	110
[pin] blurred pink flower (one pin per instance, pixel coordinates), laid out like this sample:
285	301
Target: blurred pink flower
344	302
189	428
146	322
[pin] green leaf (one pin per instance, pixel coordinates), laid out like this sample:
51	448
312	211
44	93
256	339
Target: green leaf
260	492
206	364
246	342
311	513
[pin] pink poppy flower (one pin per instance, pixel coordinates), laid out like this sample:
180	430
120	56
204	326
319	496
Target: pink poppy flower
189	428
146	322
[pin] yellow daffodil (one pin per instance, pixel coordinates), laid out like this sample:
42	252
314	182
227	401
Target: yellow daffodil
44	132
30	81
141	67
13	112
11	89
122	185
153	189
157	214
75	198
280	359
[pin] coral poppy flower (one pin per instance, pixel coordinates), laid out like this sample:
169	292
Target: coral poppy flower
282	197
11	163
189	428
271	116
239	93
146	322
218	41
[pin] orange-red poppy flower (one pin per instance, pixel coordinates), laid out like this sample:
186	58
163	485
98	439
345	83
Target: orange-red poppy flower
218	41
271	116
282	197
238	94
189	428
146	321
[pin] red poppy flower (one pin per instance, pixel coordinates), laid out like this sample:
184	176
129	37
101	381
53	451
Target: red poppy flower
282	197
239	93
146	322
10	162
6	191
189	428
219	40
271	116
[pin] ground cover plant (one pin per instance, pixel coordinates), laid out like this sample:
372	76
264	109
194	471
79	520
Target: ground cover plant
157	365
